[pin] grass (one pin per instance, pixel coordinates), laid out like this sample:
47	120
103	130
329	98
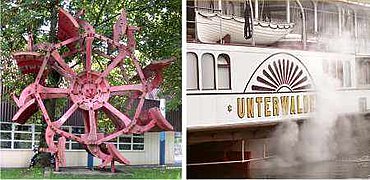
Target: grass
35	173
130	173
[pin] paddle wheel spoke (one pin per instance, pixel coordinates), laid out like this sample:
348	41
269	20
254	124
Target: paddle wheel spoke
113	111
45	113
138	69
139	108
89	41
93	127
66	115
62	72
113	64
62	63
66	42
121	90
42	68
112	136
51	93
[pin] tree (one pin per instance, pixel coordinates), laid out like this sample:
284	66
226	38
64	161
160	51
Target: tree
160	35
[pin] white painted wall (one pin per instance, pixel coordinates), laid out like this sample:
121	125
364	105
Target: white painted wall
209	108
169	148
15	158
150	154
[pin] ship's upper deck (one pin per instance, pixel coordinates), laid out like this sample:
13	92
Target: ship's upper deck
288	24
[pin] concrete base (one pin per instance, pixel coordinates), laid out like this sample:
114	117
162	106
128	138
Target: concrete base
95	171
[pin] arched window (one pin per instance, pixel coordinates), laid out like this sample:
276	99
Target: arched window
328	19
192	71
208	71
223	70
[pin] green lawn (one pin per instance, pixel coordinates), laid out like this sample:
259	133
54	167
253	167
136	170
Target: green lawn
129	173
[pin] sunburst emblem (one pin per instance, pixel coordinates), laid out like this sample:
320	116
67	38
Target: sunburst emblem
280	73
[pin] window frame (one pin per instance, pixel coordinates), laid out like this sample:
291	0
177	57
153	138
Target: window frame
214	72
69	148
197	71
131	143
363	73
347	74
13	131
228	61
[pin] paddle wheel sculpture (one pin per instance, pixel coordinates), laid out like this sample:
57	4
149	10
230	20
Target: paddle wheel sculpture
89	91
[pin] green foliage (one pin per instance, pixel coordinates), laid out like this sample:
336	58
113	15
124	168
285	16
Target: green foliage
34	173
17	19
159	37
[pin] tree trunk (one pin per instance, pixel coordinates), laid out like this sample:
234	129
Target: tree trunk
53	80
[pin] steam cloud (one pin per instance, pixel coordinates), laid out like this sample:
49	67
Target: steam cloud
328	135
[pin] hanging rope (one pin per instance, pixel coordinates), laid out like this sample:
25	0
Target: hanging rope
248	24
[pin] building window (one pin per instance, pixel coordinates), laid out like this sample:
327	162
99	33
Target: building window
125	142
133	142
16	136
363	31
78	131
25	137
339	71
6	135
347	74
22	137
328	19
192	71
362	104
138	142
208	71
336	70
223	70
364	71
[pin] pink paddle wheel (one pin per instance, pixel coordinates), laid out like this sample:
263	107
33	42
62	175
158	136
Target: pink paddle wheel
89	91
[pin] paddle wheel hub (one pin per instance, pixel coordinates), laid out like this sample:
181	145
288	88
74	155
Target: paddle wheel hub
88	94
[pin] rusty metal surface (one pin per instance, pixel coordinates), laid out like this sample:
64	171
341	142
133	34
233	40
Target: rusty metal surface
28	62
89	91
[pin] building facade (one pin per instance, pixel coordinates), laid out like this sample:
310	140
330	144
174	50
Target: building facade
19	140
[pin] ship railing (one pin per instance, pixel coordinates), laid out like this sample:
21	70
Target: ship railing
230	162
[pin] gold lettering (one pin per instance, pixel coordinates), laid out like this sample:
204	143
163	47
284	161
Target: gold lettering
299	108
259	101
241	107
250	108
267	106
305	104
298	104
284	104
275	101
292	105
